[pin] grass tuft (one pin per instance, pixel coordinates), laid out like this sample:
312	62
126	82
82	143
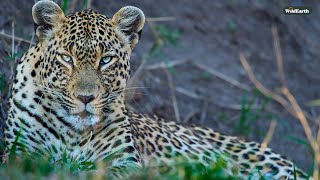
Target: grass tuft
250	112
38	165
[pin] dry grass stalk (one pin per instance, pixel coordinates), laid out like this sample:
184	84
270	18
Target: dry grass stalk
294	104
269	135
263	89
306	127
31	41
288	101
189	116
134	78
169	77
89	4
158	40
276	45
204	112
173	94
12	41
2	33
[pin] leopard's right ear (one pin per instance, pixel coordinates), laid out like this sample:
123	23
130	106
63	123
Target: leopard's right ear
46	15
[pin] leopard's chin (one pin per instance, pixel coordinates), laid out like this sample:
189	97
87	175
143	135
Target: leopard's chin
83	120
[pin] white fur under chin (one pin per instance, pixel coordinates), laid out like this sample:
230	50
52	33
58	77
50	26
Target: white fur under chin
81	124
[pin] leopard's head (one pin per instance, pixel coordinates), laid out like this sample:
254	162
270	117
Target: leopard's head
84	59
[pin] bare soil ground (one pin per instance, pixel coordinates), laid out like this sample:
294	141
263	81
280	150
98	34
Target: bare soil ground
213	33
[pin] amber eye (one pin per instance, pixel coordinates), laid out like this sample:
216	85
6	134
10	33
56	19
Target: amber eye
66	58
105	60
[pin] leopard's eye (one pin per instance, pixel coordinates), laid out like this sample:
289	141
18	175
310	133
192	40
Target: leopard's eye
105	60
66	58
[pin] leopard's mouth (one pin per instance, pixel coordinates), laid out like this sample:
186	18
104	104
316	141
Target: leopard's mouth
84	114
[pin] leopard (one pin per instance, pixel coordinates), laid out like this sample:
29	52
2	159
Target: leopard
68	96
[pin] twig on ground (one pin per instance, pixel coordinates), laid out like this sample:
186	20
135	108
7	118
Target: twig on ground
159	19
222	76
193	95
16	38
162	65
202	67
189	93
173	94
269	135
204	112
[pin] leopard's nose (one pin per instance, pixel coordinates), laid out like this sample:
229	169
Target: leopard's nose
86	99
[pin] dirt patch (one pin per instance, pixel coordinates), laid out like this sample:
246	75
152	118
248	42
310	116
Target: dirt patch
212	35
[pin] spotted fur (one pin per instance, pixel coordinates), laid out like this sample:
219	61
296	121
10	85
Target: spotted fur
68	96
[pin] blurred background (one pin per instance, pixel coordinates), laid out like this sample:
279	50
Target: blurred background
186	66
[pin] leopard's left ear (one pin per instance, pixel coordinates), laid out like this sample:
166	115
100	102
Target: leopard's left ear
129	21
